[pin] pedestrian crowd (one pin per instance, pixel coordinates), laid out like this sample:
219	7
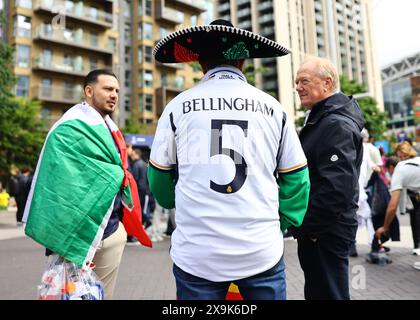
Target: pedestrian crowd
227	172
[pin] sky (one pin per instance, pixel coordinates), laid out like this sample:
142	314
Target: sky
397	29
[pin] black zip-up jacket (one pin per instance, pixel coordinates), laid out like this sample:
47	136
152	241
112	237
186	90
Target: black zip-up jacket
333	147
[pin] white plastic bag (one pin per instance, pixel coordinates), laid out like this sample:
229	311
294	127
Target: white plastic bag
64	280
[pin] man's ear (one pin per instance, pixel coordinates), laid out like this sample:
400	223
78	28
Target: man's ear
328	83
88	91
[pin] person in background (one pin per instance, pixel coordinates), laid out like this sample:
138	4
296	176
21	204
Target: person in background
4	198
24	180
333	145
406	175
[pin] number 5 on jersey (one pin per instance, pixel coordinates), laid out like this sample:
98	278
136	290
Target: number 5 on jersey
216	149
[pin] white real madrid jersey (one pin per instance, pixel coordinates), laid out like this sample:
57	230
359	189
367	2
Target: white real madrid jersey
227	140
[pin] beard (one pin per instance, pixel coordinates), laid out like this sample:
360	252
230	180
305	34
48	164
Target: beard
100	105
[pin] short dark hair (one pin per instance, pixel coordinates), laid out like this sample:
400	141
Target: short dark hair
391	161
92	77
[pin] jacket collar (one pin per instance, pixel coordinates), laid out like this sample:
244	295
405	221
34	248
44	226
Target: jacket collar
326	106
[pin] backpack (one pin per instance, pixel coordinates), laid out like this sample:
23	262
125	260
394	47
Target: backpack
13	186
380	195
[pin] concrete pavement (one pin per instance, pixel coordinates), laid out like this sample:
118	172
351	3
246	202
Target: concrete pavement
147	273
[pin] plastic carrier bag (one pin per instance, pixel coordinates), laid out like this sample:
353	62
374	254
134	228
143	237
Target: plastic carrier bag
64	280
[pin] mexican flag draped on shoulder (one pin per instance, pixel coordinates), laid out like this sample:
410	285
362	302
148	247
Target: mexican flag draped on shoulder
82	166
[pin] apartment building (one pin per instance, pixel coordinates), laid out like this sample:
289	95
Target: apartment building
340	30
150	85
57	42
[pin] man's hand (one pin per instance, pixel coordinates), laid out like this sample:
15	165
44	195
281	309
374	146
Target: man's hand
381	231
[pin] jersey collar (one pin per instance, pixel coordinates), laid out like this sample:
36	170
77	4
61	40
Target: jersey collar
232	72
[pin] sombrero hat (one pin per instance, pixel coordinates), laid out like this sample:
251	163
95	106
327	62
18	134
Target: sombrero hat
218	40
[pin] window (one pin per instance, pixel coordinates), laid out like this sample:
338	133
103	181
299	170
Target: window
162	32
45	112
69	5
140	54
127	55
46	85
93	39
139	32
112	44
22	56
179	82
148	102
164	79
127	8
93	63
93	12
193	20
148	7
46	58
67	59
148	78
127	79
22	86
23	4
22	26
68	90
127	33
148	56
145	8
140	103
148	31
127	103
145	54
140	8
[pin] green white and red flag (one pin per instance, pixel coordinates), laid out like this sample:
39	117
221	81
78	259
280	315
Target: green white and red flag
82	166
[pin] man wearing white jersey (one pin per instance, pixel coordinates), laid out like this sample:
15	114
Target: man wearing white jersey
227	156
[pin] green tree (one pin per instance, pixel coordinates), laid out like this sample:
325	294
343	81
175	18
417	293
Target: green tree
136	127
22	130
22	133
251	72
375	120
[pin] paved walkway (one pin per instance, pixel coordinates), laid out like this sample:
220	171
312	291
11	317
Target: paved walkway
146	273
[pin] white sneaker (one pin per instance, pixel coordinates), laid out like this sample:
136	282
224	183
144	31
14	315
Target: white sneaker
416	265
416	252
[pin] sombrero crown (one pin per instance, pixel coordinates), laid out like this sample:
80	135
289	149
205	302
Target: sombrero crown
219	40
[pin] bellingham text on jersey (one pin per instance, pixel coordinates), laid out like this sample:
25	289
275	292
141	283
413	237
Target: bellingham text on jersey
223	104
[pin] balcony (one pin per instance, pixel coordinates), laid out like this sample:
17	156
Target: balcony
166	14
193	5
79	12
74	67
69	38
57	94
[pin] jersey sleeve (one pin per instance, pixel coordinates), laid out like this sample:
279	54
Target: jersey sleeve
290	157
397	179
163	153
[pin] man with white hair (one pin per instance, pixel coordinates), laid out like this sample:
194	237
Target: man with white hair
333	146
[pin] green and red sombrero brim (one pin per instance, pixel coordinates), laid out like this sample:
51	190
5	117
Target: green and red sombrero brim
215	41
